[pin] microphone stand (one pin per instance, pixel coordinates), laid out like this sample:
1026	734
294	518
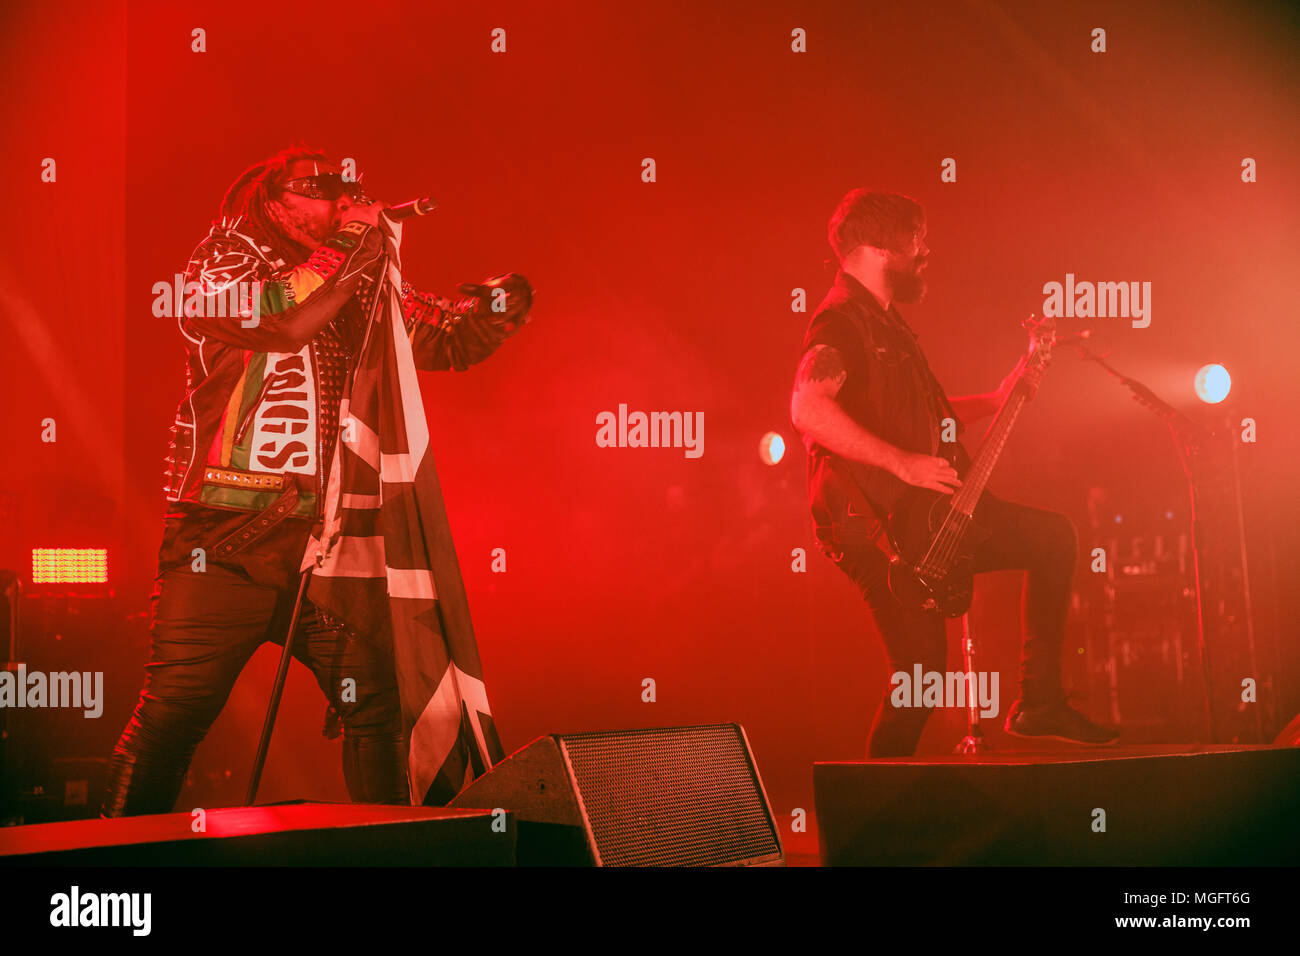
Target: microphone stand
268	725
1188	436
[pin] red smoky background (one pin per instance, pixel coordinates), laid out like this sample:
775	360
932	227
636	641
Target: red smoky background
627	564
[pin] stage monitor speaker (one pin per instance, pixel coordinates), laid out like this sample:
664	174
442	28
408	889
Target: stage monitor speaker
673	796
1132	806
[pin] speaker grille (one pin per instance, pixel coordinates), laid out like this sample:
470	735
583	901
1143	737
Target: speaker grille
677	796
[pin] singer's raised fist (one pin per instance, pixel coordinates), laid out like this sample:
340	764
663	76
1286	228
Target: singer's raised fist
508	310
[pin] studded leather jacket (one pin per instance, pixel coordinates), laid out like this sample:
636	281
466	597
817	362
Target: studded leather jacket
261	404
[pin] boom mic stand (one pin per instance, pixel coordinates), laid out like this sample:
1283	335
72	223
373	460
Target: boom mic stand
974	742
1188	436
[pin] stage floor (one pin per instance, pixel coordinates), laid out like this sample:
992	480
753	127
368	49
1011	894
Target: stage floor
292	834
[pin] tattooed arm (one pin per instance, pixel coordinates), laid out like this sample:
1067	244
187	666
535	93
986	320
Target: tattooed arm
820	418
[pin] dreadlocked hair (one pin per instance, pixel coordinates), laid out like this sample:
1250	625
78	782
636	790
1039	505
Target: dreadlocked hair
248	196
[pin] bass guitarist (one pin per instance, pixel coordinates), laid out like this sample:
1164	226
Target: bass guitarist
872	416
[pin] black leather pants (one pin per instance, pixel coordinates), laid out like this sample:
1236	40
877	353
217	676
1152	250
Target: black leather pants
205	627
1043	543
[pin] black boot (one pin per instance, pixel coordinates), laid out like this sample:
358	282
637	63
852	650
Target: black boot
138	785
1058	721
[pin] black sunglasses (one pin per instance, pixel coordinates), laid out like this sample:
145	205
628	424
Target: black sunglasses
325	186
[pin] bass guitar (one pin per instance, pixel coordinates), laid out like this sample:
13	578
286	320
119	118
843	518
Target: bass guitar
934	535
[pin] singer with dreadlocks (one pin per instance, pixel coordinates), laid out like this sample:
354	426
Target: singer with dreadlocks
301	443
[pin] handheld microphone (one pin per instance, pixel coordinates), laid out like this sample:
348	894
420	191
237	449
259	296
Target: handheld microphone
416	207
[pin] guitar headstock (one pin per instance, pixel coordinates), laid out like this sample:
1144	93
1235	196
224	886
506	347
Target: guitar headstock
1042	336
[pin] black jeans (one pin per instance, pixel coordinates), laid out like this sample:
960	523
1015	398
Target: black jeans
205	627
1041	542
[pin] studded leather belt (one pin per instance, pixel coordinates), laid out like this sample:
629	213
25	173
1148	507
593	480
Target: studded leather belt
260	524
244	479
